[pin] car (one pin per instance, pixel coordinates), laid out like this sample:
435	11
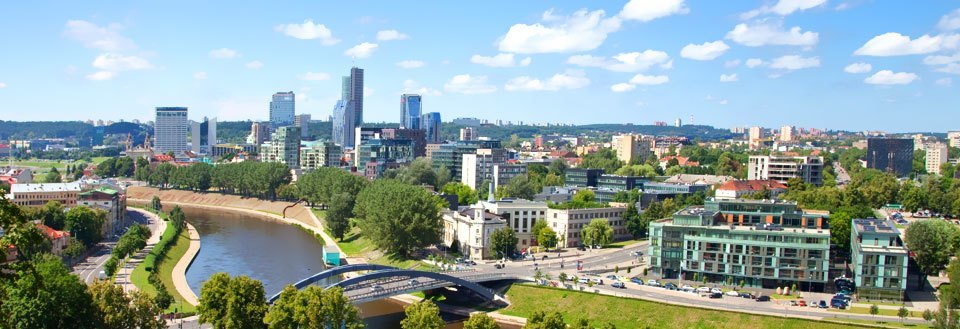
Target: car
498	266
637	281
102	275
470	262
716	291
413	282
746	295
581	248
802	302
583	280
763	299
459	260
687	288
703	290
611	277
618	284
670	286
653	283
838	303
597	281
544	258
376	287
733	293
793	303
822	304
716	295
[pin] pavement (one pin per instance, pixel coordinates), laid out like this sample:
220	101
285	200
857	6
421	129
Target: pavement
157	226
180	270
89	269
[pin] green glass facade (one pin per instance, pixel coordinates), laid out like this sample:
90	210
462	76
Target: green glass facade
879	260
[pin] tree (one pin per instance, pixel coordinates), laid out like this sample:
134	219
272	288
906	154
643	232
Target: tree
51	214
339	213
840	226
419	172
443	176
399	218
53	176
521	187
320	185
480	321
932	242
902	313
540	320
229	302
635	224
45	294
597	233
874	310
465	194
503	241
313	307
422	315
547	238
537	227
85	224
155	203
604	158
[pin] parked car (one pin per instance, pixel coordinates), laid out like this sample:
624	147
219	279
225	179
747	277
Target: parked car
583	280
703	290
498	266
793	303
763	299
746	295
687	288
618	284
838	303
653	283
732	293
611	277
597	281
822	304
802	302
637	281
470	262
670	286
716	291
716	295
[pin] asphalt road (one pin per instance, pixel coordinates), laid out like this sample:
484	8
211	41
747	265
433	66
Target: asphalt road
89	269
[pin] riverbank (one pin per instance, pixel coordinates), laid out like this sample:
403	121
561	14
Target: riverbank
211	200
179	275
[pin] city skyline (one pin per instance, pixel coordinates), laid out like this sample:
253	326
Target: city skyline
828	64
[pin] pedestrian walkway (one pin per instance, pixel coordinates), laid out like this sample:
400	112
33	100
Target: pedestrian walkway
180	270
122	277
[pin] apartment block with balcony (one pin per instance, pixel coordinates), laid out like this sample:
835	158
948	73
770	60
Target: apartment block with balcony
879	260
783	168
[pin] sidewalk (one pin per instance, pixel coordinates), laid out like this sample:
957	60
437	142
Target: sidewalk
179	274
122	277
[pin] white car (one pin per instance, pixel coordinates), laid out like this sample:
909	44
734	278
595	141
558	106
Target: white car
376	287
687	288
716	291
583	280
597	281
733	293
653	283
703	290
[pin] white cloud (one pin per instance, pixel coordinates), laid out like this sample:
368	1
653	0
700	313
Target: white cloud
499	60
200	75
648	10
784	8
254	65
466	84
116	62
794	62
728	78
723	102
105	38
704	52
412	87
754	62
3	85
308	31
941	60
649	80
944	82
101	76
896	44
731	63
410	64
388	35
624	62
362	50
858	68
582	31
622	87
315	76
950	21
952	68
763	33
223	53
571	79
887	77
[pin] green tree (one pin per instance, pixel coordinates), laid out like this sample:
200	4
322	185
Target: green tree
53	176
113	304
931	241
540	320
320	185
419	172
465	194
503	241
840	226
521	187
85	223
443	176
422	315
339	213
313	307
547	238
145	311
604	158
537	227
51	214
597	233
155	203
397	217
227	302
480	321
874	310
635	223
44	294
902	313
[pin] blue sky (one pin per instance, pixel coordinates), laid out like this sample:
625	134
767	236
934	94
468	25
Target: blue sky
850	64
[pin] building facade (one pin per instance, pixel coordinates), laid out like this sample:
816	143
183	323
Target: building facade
430	122
170	130
786	133
880	260
468	134
582	177
936	156
630	147
410	111
568	223
37	195
343	124
737	189
284	147
783	168
356	95
520	215
470	230
283	109
302	121
953	138
892	155
477	167
259	133
110	201
314	155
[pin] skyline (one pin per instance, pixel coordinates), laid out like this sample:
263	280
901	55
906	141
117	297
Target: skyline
766	63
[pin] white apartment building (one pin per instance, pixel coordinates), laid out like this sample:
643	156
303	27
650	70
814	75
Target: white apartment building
569	222
479	166
470	229
786	133
520	215
783	168
170	130
936	156
954	138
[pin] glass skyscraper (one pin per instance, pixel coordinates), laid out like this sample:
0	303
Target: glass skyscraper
356	95
410	111
431	123
893	155
343	125
282	109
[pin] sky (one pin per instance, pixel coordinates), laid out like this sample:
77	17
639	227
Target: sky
834	64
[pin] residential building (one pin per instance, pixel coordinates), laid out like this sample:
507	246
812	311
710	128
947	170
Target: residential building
259	133
282	109
59	240
678	123
37	195
303	122
582	177
322	153
450	155
430	148
221	150
568	223
737	189
755	134
892	155
954	138
783	168
697	179
170	130
471	229
431	123
504	172
681	161
520	215
418	136
477	167
356	95
343	124
759	243
632	147
468	134
203	135
283	147
879	260
110	201
786	133
410	106
17	176
384	154
936	156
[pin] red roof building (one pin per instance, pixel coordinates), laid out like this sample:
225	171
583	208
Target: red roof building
683	161
736	189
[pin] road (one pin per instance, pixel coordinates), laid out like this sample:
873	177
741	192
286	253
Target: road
843	178
89	269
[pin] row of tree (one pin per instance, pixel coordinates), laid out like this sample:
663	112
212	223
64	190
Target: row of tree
258	179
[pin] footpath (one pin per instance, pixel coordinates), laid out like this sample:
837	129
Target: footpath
122	277
179	274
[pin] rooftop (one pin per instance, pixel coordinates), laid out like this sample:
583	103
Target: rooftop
45	187
696	211
752	185
875	225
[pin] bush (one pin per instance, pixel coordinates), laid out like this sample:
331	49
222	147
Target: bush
110	267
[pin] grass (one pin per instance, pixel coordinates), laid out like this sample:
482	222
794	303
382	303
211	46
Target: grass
178	248
784	297
867	304
866	310
891	324
635	313
621	244
355	244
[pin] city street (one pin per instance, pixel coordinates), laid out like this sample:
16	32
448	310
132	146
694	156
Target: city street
89	269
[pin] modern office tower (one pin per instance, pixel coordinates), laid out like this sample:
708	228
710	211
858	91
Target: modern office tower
783	168
282	109
418	136
195	139
954	138
410	111
631	147
343	124
760	243
468	134
283	147
893	155
451	155
879	259
356	95
786	133
345	88
303	122
678	123
936	156
314	155
211	134
170	130
431	123
203	136
583	177
259	133
477	167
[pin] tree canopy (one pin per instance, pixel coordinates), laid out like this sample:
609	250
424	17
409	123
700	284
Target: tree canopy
597	233
932	242
422	315
399	218
313	308
236	302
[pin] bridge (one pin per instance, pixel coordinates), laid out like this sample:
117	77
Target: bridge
384	281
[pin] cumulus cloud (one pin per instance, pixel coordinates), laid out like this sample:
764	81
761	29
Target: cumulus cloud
412	87
887	77
200	75
896	44
648	10
649	80
765	33
754	62
116	62
315	76
622	87
582	31
105	38
410	64
101	76
470	85
571	79
784	8
499	60
950	21
952	68
223	53
254	65
308	31
389	35
858	68
705	51
944	82
794	62
941	60
728	78
362	50
624	62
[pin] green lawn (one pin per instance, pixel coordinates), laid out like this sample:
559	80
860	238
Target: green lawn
866	310
892	324
355	244
176	251
621	244
867	304
635	313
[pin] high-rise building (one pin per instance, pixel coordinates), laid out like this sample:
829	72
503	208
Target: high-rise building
431	123
631	147
303	122
756	133
936	156
170	130
954	137
345	88
195	139
356	95
786	133
343	125
203	135
410	111
211	134
283	146
879	259
314	155
783	168
282	109
893	155
259	133
477	167
468	134
678	123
